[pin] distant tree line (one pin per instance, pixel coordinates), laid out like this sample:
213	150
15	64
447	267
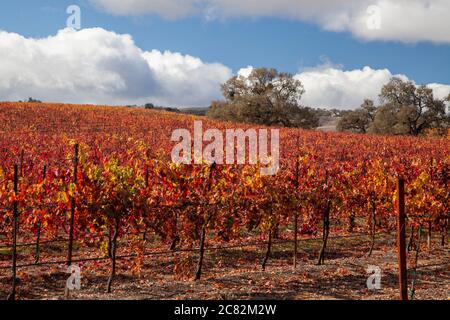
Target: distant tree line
31	100
152	106
406	109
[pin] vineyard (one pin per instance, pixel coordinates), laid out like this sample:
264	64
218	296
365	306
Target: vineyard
95	185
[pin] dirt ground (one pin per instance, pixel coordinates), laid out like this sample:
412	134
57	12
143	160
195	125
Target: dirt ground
235	273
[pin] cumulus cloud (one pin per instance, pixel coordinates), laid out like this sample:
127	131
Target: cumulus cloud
400	20
185	78
404	20
102	67
441	91
329	86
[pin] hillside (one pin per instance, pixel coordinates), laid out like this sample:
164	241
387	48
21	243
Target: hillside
157	230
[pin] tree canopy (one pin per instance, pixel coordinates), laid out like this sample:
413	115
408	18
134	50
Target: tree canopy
266	97
406	109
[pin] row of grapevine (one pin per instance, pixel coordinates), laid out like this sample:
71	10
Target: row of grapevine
118	183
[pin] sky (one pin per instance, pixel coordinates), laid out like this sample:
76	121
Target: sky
178	52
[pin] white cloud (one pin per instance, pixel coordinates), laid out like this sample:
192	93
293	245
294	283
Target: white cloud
99	66
441	91
185	78
404	20
170	9
328	86
245	72
401	20
331	87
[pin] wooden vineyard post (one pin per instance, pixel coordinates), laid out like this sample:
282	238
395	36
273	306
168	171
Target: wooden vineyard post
12	295
401	242
72	207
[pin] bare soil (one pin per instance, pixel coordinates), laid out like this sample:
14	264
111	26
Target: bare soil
235	273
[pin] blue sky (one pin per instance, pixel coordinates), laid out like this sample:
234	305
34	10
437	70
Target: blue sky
286	43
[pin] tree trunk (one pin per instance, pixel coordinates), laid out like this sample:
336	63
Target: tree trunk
38	248
113	255
429	235
198	274
12	295
269	249
276	231
72	208
325	232
411	240
110	236
38	237
296	184
351	223
144	235
295	239
22	154
416	260
373	229
444	232
176	238
173	245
